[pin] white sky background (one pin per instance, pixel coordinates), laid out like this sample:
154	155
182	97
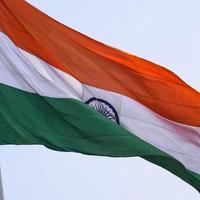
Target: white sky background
166	32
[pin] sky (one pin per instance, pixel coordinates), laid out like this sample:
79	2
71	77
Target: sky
165	32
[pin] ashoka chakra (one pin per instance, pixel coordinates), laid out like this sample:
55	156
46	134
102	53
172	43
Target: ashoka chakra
104	107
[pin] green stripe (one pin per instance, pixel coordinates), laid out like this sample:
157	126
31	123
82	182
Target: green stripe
70	125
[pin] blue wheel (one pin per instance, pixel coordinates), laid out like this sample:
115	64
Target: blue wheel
104	108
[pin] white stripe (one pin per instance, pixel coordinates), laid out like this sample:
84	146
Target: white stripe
22	70
25	71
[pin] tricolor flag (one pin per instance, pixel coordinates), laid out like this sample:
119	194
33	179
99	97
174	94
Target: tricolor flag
64	90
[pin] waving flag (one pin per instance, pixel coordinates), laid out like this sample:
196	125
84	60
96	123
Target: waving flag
66	91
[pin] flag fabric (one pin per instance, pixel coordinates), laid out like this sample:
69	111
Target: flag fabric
64	90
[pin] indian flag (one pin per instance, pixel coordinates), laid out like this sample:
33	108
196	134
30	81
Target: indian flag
66	91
